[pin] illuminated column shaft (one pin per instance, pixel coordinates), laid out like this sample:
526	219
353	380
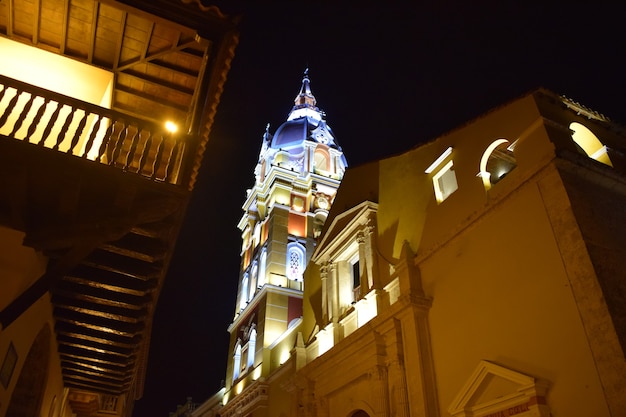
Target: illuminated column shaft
364	270
324	276
333	299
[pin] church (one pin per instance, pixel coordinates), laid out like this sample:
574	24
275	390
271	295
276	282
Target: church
479	274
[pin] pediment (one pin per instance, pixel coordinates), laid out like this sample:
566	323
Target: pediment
496	391
343	226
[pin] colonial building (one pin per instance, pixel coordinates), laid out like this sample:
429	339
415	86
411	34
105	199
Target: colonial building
480	274
105	112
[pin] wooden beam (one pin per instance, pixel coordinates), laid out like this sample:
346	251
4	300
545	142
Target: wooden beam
64	25
36	21
120	40
94	29
175	48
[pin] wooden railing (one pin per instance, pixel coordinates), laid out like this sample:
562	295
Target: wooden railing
84	130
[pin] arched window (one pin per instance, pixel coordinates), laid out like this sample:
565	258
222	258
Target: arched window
263	263
321	160
295	261
256	237
589	143
243	301
251	348
237	360
253	279
497	161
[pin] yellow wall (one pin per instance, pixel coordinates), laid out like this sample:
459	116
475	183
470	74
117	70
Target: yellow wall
62	75
500	293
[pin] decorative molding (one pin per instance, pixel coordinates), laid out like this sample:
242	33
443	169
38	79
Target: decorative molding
255	396
495	391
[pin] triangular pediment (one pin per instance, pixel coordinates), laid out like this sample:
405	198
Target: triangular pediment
344	224
494	390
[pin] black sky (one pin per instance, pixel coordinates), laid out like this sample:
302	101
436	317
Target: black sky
389	78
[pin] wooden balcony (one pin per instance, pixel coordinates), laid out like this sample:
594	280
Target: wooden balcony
102	195
76	128
100	192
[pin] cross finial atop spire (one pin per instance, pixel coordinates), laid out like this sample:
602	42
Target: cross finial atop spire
305	97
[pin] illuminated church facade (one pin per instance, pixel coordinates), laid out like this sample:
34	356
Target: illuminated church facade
480	274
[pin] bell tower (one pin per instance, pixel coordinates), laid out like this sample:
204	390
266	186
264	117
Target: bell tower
296	178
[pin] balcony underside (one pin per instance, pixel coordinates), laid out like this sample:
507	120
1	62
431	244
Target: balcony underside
109	236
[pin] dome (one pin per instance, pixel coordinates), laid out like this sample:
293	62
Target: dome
291	134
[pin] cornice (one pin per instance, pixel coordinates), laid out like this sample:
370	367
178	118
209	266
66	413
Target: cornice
266	289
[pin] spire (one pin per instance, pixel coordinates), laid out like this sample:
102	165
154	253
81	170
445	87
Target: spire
305	97
305	103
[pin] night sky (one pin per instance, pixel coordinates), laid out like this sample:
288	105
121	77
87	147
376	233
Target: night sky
389	78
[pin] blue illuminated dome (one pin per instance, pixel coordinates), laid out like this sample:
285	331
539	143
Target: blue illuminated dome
305	122
304	143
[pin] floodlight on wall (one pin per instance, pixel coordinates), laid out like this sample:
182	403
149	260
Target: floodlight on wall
438	161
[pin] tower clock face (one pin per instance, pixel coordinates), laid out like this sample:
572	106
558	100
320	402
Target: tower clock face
322	202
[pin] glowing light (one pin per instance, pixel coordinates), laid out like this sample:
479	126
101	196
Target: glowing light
171	126
366	309
284	356
325	339
438	161
256	374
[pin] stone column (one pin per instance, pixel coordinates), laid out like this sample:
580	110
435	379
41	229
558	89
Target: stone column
416	344
333	293
324	275
380	390
365	277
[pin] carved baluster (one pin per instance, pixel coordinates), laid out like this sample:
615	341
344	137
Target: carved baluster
50	124
172	160
22	115
9	108
79	131
36	119
119	144
92	135
3	91
145	153
157	158
133	147
64	129
105	141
